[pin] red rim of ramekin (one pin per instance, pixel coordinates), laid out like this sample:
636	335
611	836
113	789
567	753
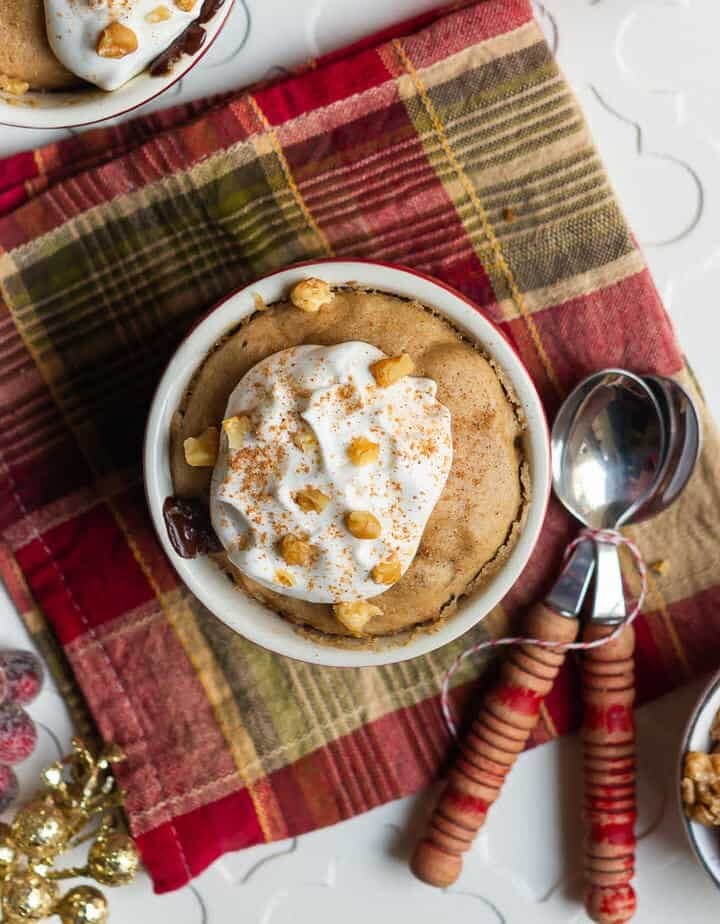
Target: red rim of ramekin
194	60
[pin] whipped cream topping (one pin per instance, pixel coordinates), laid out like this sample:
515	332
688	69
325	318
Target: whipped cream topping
74	28
305	406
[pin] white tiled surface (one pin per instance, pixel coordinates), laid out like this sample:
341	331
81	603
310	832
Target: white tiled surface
646	74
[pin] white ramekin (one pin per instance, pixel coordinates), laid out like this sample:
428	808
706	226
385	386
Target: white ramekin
69	109
212	587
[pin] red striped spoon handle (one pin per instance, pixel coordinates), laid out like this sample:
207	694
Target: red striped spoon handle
509	712
609	762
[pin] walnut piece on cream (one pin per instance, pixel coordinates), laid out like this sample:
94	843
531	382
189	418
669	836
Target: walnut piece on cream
311	500
390	370
304	438
159	14
386	572
116	41
295	550
362	524
363	451
284	578
236	429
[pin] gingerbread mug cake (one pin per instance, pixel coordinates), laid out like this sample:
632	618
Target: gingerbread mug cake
350	461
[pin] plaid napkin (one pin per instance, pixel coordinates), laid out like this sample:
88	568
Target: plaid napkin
453	145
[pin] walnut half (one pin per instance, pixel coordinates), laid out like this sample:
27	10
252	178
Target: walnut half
700	787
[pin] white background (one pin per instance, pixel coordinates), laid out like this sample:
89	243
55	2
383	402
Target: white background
647	77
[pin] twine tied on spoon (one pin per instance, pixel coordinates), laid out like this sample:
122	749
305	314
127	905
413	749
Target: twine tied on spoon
610	536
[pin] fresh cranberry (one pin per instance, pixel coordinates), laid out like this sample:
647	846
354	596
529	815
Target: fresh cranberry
24	674
17	734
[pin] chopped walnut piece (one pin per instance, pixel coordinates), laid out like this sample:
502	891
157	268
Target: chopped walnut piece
13	85
185	5
311	295
116	41
390	370
688	791
304	438
311	500
660	567
386	572
284	578
356	614
699	767
160	14
295	551
363	451
700	787
259	301
362	524
201	451
703	814
236	429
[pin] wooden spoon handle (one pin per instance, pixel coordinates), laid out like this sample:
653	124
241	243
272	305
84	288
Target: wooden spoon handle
509	712
608	733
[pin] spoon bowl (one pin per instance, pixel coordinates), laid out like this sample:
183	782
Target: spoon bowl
684	441
608	449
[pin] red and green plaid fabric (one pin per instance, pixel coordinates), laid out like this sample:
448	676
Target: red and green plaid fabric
452	145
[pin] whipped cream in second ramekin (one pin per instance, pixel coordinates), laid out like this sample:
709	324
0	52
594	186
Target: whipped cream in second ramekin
74	28
305	406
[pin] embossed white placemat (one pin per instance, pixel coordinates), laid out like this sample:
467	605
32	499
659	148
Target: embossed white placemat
646	75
